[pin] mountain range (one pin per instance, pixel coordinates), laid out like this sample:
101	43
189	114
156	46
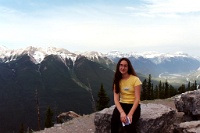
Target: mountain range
67	80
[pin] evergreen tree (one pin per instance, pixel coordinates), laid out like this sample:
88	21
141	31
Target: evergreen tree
160	90
195	85
181	89
103	99
189	86
144	90
156	92
49	117
166	89
149	87
172	91
152	93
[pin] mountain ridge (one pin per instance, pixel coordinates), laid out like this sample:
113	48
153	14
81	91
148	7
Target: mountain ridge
66	80
5	52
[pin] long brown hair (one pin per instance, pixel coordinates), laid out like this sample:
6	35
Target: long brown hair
118	75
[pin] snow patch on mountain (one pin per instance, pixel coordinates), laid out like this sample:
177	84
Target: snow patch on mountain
91	54
38	54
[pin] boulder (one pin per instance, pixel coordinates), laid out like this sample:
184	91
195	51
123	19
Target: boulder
102	120
189	103
188	127
154	118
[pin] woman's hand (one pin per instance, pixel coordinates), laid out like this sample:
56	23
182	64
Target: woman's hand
130	117
123	117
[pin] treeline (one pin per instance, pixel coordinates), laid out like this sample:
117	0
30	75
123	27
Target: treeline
163	89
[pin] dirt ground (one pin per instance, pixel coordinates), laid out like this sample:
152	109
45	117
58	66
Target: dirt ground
83	124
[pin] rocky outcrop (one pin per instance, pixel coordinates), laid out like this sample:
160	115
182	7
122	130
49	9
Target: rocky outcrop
63	117
188	127
154	118
189	103
102	120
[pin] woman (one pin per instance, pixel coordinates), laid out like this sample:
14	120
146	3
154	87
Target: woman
126	89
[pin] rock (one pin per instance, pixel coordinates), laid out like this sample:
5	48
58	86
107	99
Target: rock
189	103
188	127
66	115
154	118
102	120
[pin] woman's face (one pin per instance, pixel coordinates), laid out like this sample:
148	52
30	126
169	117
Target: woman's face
123	67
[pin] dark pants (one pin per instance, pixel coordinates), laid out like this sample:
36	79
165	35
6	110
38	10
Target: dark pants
116	124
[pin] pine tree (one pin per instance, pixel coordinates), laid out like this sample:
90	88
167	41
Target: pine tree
195	85
152	93
103	99
181	89
161	88
166	89
172	91
144	90
189	87
49	117
156	92
149	87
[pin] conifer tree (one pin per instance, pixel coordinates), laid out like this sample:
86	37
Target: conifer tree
149	88
166	89
181	89
172	91
144	90
49	118
156	92
195	85
161	88
152	93
189	86
103	99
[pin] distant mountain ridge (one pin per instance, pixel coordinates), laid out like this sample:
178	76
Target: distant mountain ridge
39	54
151	62
160	65
65	80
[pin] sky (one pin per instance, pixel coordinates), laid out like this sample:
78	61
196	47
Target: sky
166	26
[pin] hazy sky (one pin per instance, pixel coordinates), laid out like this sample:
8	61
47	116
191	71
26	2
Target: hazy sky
102	25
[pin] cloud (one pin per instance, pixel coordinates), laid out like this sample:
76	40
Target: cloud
150	24
166	8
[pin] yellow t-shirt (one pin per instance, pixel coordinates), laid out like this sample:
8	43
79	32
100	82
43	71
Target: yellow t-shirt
127	89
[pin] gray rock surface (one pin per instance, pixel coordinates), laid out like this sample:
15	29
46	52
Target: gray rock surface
189	103
188	127
154	118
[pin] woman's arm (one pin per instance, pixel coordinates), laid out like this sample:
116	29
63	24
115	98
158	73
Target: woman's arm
119	107
136	102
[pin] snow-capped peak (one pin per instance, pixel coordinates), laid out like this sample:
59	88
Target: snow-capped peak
38	54
92	54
